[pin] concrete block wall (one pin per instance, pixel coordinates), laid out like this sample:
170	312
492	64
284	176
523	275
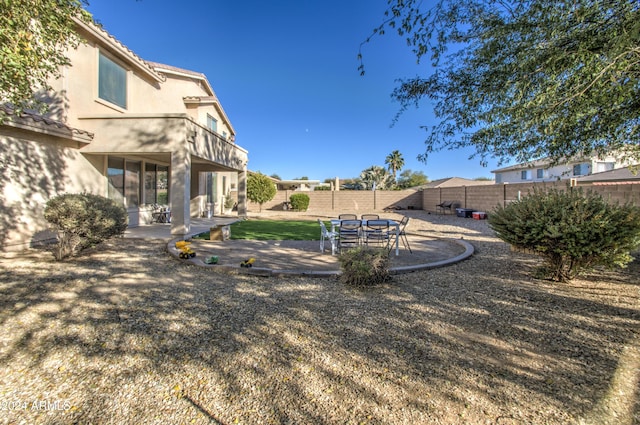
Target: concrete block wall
620	193
487	198
479	198
348	200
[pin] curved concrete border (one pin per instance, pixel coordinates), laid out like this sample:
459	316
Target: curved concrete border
261	271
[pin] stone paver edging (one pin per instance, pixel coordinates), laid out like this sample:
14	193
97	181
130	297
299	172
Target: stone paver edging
262	271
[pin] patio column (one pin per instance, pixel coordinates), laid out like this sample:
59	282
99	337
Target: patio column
242	193
180	192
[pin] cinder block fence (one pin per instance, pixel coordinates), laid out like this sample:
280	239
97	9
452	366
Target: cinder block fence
479	198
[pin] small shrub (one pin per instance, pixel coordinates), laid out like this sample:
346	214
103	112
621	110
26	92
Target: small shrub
574	232
229	202
364	267
299	201
83	220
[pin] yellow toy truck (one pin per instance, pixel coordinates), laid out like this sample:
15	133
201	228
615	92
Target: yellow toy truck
185	250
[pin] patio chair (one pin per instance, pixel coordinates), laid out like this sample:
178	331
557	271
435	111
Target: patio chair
347	217
332	237
402	234
377	231
370	217
349	234
444	206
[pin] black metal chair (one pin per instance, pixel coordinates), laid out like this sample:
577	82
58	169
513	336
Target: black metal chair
347	217
370	217
444	206
349	234
377	231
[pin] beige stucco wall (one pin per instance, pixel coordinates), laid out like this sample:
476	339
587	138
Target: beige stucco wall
33	172
78	91
157	126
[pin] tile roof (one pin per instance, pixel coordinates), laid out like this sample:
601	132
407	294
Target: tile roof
617	175
156	65
32	121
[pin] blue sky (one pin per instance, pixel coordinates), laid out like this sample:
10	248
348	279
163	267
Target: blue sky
286	74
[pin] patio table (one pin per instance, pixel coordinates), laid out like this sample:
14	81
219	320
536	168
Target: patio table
336	223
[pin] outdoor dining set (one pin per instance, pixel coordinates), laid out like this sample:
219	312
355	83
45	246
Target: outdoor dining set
369	230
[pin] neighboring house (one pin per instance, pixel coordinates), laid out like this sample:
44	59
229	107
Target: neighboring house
302	185
541	170
142	133
626	175
297	185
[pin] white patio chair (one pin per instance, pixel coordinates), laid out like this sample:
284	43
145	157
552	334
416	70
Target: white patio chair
402	234
325	234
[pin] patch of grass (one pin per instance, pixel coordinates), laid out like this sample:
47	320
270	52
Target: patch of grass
262	230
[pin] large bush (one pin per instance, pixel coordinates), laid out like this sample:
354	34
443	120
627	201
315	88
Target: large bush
260	189
574	231
364	267
83	220
299	201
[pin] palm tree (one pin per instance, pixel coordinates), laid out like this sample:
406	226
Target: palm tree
395	162
376	175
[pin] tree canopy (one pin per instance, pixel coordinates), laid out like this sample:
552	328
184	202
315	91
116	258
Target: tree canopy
34	38
260	188
524	79
394	162
410	178
377	177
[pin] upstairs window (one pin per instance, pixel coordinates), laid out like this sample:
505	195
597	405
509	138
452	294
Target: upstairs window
112	82
581	169
525	175
212	123
605	166
540	173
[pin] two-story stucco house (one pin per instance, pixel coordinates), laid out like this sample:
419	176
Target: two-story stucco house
140	132
542	170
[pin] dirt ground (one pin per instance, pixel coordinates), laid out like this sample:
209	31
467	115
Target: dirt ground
125	333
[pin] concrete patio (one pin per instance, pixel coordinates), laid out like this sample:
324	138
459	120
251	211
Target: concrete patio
300	257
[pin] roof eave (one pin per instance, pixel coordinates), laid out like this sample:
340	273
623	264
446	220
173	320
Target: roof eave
197	100
120	49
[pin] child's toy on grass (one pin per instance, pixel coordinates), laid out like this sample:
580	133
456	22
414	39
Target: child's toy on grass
248	263
185	250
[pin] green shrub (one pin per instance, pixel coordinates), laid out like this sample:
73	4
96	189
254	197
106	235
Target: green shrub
163	197
574	232
229	201
260	189
364	267
299	201
83	220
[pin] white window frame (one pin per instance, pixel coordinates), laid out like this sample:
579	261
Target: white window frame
212	123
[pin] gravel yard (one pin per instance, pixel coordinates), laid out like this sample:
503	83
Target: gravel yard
127	334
